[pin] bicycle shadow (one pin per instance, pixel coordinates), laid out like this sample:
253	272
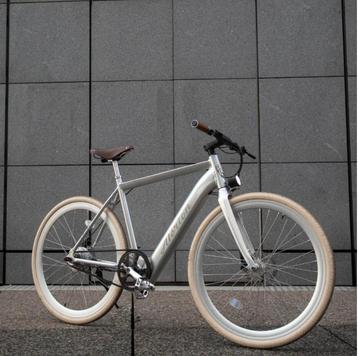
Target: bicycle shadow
204	341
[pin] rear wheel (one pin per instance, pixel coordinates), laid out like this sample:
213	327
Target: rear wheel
77	295
286	295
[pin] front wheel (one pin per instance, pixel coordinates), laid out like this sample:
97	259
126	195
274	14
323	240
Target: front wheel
286	295
83	294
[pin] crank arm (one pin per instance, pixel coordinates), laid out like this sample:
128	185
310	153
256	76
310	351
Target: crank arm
140	284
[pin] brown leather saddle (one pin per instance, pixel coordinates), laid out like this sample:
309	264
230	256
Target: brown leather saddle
110	154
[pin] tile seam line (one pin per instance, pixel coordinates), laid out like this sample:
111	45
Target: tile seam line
6	129
46	2
347	251
259	160
169	79
173	121
90	4
182	286
169	164
337	337
348	138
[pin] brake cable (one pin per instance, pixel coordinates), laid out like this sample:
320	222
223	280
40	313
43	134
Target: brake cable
241	151
227	152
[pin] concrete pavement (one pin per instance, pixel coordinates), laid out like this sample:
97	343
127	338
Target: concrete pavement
169	325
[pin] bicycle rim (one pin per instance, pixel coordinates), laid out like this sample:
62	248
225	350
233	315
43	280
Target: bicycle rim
70	294
278	299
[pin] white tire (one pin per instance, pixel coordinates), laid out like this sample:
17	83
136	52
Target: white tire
69	294
281	300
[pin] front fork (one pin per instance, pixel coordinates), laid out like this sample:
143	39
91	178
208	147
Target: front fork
236	226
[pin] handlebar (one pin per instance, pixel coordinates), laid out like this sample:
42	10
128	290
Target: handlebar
202	127
221	138
221	141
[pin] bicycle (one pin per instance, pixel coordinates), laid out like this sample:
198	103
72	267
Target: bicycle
260	268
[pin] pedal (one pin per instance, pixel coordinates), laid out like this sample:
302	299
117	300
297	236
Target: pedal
146	285
141	294
142	288
141	285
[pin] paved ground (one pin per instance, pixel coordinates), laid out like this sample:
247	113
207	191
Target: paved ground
169	325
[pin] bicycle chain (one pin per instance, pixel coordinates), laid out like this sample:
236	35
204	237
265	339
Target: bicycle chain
104	282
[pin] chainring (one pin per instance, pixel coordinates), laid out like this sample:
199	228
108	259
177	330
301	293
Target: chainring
137	260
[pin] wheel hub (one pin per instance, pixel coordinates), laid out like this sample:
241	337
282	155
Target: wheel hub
262	272
82	252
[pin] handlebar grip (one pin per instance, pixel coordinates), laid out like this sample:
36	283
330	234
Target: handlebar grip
202	127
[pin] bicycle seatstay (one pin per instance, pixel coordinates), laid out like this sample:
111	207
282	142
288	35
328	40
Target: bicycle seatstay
74	248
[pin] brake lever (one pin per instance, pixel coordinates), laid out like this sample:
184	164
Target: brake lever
244	151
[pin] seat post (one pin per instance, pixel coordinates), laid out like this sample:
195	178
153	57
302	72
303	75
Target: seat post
125	209
117	174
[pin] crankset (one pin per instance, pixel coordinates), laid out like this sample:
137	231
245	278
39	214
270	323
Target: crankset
134	272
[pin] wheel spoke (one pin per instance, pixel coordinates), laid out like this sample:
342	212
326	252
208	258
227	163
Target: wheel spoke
226	257
297	257
220	244
273	223
278	241
263	298
54	260
222	282
57	244
69	229
58	239
290	267
71	287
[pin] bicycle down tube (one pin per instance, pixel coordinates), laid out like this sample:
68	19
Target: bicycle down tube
213	177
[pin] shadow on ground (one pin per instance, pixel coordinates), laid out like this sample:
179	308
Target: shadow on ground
169	325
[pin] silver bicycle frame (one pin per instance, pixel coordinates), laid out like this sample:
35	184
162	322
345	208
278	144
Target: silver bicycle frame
212	178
